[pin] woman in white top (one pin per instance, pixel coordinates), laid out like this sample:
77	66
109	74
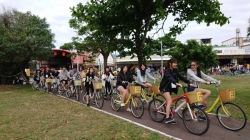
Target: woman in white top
142	76
196	76
106	80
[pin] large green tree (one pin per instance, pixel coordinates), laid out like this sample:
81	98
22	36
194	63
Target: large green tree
24	37
133	19
192	50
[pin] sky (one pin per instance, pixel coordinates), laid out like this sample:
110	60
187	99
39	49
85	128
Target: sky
58	14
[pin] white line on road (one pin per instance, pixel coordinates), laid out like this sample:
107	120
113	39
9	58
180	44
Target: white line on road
133	122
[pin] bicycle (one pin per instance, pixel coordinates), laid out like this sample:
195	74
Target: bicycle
195	119
112	88
155	90
229	115
74	88
136	104
97	94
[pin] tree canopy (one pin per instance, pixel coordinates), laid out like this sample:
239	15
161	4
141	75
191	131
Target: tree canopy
133	19
23	37
192	50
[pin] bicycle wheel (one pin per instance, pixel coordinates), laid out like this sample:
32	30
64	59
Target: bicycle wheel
99	99
60	89
68	93
55	88
178	103
77	93
199	124
34	85
137	108
84	94
156	106
116	101
231	116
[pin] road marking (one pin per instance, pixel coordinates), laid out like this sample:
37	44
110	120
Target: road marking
133	122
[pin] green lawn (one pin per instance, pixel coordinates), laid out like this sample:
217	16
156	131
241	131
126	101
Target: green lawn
28	114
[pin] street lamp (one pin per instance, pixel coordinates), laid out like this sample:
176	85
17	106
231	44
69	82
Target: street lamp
161	61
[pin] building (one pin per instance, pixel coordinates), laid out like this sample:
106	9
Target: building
244	42
204	41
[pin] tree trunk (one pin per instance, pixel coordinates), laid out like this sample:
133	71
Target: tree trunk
105	58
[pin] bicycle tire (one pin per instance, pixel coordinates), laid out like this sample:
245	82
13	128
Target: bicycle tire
84	94
137	107
177	103
34	85
99	99
153	108
229	121
116	101
77	93
60	90
200	121
68	93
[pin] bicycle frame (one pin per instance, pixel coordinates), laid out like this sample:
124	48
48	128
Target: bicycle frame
185	102
127	101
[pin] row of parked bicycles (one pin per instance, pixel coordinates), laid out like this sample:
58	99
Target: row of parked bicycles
195	120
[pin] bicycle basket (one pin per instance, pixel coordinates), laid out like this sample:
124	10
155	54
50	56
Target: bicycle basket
227	95
52	80
77	82
155	89
194	97
48	80
135	90
97	85
113	83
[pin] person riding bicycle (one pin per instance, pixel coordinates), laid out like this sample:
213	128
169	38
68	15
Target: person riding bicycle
63	77
196	76
73	74
170	84
37	76
142	76
89	84
121	85
106	81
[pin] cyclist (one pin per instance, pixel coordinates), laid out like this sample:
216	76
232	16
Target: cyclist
37	76
73	74
89	84
121	85
47	74
106	80
196	76
63	77
83	75
170	84
142	76
132	71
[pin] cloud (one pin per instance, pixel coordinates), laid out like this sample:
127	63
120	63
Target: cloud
58	14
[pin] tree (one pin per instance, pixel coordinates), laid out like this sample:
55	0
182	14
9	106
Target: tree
133	19
185	53
24	37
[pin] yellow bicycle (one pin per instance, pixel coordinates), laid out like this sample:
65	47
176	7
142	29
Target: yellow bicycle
229	115
136	104
155	94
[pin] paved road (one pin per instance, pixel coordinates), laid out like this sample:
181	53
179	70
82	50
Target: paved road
215	132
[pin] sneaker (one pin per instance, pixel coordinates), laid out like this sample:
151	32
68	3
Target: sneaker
128	109
173	122
201	118
122	104
202	107
169	120
87	104
94	103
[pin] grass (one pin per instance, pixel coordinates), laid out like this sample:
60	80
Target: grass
28	114
242	90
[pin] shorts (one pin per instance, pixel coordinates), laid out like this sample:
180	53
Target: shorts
166	90
189	89
120	85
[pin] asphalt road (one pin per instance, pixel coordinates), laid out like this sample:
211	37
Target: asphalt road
215	132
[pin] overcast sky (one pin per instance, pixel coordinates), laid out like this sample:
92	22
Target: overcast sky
57	13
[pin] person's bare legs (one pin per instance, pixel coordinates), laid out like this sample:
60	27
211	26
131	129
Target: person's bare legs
149	86
168	103
123	92
205	93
